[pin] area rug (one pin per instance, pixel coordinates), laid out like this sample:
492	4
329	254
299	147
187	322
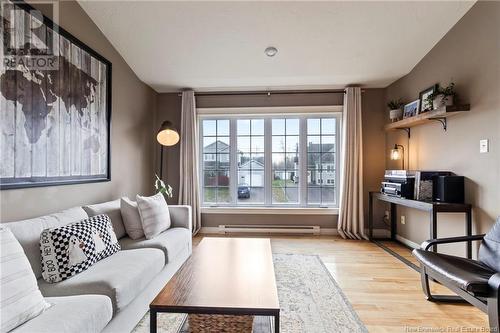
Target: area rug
310	300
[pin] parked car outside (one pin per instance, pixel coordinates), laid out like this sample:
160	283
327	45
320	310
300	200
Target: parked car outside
243	191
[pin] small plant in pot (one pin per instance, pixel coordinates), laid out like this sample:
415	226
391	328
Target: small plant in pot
395	109
443	96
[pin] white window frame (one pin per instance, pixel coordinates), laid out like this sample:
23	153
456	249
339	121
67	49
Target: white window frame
302	113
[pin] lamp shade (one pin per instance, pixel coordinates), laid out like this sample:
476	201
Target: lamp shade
395	154
167	134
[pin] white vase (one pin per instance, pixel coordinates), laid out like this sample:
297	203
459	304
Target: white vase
395	114
442	100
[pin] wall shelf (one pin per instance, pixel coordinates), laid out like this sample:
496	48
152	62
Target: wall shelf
439	115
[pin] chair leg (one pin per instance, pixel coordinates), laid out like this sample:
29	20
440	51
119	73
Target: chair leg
494	303
424	278
493	313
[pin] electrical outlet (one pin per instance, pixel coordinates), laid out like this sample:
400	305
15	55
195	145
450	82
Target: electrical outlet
403	219
386	218
484	146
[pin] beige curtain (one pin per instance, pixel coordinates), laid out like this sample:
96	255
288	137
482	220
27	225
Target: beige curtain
189	176
351	221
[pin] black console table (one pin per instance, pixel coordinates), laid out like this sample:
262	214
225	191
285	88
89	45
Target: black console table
433	208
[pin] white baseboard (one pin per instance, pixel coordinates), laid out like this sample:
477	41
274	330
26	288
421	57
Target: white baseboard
323	231
407	242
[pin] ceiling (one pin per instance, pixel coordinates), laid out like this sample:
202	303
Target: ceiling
213	45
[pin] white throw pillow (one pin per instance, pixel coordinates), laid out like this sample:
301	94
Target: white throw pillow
154	213
20	297
131	218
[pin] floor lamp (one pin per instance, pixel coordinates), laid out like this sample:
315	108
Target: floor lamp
167	136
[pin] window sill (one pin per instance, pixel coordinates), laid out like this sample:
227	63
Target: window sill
270	210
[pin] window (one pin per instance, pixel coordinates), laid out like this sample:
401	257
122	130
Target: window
321	167
269	160
285	156
216	161
251	160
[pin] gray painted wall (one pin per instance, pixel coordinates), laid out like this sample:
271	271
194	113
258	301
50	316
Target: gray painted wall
131	135
468	55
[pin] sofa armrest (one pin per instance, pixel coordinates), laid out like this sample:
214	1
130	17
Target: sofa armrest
428	243
181	216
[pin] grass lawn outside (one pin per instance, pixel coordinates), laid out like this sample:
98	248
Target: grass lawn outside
222	194
210	194
279	193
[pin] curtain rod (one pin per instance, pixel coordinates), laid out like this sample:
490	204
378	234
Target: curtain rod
268	93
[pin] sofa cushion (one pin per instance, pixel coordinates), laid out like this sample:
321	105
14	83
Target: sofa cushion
84	313
171	242
466	274
112	209
489	252
155	217
131	218
71	249
28	232
20	299
121	277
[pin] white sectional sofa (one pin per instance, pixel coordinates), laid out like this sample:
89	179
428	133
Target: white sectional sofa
114	293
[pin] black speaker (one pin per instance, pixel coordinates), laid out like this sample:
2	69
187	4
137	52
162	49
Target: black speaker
449	189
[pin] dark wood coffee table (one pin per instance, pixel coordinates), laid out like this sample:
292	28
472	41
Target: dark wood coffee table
231	276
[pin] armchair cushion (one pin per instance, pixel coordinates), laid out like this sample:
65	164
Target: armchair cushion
466	274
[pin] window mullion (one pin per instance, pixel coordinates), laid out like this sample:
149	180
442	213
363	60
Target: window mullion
303	162
268	161
201	165
338	157
233	158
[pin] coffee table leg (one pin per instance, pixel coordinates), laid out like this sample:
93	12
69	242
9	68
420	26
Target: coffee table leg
152	321
277	323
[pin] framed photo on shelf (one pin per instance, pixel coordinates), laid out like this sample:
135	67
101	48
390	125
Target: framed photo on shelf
425	105
411	109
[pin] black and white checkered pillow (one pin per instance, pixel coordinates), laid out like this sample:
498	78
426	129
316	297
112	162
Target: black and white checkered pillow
73	248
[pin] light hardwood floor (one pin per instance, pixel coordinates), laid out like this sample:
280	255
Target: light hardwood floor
385	293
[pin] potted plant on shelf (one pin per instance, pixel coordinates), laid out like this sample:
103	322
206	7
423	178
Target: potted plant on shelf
443	96
395	109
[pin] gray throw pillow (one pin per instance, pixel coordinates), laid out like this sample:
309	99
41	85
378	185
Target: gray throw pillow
131	218
154	213
112	209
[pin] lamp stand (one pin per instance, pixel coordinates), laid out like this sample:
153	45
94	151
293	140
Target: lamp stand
161	162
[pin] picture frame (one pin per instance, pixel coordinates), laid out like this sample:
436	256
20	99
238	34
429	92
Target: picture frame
411	109
424	104
68	142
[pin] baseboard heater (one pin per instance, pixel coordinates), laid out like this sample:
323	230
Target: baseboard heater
275	229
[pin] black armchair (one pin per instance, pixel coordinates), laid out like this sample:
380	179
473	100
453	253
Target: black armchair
474	281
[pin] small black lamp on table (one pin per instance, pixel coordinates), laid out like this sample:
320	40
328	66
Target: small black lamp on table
398	153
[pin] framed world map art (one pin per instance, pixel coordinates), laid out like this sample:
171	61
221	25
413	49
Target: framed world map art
55	95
